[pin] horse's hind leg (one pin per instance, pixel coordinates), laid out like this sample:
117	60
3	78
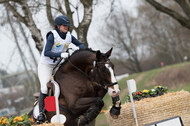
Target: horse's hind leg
92	106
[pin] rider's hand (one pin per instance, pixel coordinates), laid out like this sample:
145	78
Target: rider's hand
64	55
71	50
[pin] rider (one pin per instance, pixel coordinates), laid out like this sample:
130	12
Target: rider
54	48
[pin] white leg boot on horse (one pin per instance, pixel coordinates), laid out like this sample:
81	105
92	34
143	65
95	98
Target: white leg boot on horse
42	117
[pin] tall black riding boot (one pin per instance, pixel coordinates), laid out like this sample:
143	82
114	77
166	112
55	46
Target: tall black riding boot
41	117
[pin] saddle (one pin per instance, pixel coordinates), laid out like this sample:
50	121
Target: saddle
51	90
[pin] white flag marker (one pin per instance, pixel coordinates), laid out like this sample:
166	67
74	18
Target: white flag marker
58	117
132	88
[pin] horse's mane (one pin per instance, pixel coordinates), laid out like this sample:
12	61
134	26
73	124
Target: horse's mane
85	49
78	51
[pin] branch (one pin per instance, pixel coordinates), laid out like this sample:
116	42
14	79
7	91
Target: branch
44	5
27	42
60	9
182	20
69	13
111	9
6	1
185	7
49	13
3	1
15	13
77	10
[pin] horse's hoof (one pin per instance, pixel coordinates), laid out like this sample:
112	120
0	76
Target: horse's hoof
114	116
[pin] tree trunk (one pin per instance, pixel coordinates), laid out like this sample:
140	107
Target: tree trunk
82	30
27	19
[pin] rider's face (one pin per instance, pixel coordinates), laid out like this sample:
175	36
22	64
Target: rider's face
64	28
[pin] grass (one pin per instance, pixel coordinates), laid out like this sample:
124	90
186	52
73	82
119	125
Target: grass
144	80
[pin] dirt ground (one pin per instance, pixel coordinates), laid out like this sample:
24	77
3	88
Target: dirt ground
173	77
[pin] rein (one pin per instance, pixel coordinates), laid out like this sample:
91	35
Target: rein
89	77
86	75
92	79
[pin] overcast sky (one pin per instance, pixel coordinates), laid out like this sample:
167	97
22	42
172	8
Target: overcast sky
9	57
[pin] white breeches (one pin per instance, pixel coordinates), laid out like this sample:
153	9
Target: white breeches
44	74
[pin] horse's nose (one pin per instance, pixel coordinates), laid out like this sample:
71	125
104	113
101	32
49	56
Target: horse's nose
114	92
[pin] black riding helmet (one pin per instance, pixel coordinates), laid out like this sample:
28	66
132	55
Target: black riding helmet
62	20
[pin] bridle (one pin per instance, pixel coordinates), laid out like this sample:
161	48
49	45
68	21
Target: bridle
105	86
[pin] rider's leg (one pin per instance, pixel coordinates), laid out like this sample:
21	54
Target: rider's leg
42	116
44	74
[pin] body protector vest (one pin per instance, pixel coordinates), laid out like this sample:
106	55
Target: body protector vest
60	45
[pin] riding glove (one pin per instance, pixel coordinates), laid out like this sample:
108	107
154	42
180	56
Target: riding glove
64	55
73	49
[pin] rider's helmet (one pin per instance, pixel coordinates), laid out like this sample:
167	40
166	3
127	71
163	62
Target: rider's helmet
62	20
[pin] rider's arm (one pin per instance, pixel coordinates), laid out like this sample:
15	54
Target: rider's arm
77	42
48	47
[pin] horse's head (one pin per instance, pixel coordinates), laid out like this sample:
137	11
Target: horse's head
105	69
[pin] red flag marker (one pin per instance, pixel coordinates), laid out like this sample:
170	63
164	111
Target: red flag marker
50	104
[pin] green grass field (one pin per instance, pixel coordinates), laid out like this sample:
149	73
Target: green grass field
176	77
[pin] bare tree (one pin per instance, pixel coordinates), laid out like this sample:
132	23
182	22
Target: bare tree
166	39
83	26
29	77
23	11
26	18
27	42
17	43
150	38
183	18
120	35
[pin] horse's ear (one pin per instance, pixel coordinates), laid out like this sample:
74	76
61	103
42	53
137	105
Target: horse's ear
108	53
98	55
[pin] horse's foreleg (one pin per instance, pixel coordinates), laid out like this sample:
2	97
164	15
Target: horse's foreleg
115	110
93	107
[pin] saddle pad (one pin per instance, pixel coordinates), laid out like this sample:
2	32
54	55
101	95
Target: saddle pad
36	111
36	106
57	89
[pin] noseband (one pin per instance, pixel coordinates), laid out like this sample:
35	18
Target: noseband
105	86
112	84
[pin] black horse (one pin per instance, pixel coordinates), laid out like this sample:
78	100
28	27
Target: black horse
84	79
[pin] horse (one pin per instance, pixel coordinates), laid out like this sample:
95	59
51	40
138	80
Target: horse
84	78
